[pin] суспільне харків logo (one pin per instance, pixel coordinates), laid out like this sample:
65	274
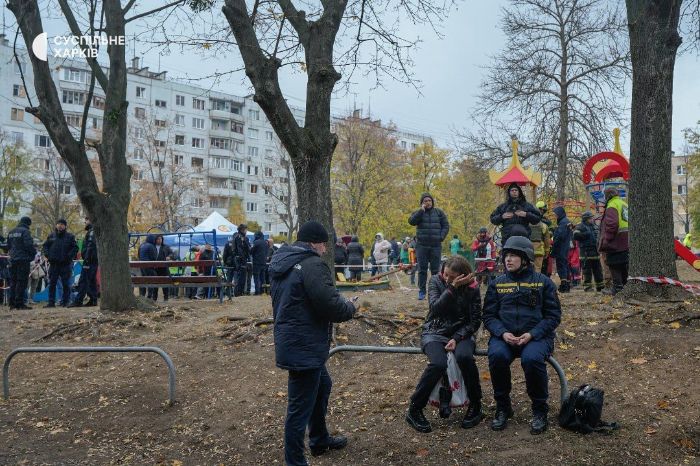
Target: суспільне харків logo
40	46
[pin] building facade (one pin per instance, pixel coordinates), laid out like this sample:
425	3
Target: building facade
682	184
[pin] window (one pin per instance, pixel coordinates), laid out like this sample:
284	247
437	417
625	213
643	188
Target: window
268	172
161	103
76	121
140	112
19	91
139	133
253	189
237	127
197	104
237	165
140	91
220	183
268	135
73	97
17	114
96	123
252	169
43	164
267	190
268	154
17	137
139	154
197	163
252	151
158	143
283	199
682	189
179	140
198	123
180	100
268	210
220	162
160	123
236	185
268	226
198	143
221	143
219	105
680	170
98	102
178	160
235	110
218	203
64	188
284	179
254	114
197	202
251	206
252	133
41	140
76	75
403	145
137	174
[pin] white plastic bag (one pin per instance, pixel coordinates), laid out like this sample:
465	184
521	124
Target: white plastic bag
459	391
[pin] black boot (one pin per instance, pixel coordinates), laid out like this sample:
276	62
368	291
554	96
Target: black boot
417	420
91	303
500	421
474	415
539	423
334	443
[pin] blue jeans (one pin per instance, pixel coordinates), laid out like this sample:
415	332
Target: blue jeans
533	359
259	278
308	393
427	255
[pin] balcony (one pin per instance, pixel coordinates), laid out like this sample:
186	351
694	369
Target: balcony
220	192
225	115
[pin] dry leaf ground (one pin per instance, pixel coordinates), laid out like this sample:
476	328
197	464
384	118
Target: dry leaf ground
93	409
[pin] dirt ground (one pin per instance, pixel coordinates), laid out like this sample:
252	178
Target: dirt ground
92	409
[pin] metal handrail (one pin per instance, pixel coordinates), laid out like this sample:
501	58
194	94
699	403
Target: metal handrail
564	384
90	349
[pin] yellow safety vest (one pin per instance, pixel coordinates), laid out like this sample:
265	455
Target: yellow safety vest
622	212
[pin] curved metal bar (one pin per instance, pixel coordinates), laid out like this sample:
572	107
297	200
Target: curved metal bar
563	383
90	349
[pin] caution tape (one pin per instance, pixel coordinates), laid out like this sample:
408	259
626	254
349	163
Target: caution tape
695	289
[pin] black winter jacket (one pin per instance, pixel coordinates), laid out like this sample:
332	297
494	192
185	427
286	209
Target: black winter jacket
508	305
258	251
20	244
454	312
147	251
587	236
561	239
431	225
89	250
305	303
237	251
60	248
356	253
532	216
340	254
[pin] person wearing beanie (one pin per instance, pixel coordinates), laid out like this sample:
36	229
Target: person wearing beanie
305	304
586	233
515	215
521	312
431	230
561	244
21	249
60	249
614	238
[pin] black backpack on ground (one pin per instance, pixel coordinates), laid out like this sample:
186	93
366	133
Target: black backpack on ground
582	410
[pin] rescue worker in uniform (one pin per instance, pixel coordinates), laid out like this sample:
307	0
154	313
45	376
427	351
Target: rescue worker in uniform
541	237
586	234
521	312
21	249
60	248
87	285
614	238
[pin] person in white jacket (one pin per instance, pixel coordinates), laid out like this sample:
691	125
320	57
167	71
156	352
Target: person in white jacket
381	252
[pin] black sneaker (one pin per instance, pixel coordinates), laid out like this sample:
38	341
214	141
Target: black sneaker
75	305
473	416
23	307
417	420
91	303
334	443
539	423
500	421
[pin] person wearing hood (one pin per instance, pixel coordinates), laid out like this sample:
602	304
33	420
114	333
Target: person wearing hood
515	215
431	230
305	304
561	243
340	254
147	252
450	326
21	249
521	312
380	251
356	255
60	249
87	285
258	253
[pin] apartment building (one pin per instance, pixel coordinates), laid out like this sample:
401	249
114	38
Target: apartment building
682	183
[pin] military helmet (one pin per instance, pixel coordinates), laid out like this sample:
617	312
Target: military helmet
586	214
520	245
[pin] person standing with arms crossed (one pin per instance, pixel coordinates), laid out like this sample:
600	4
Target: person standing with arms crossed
431	230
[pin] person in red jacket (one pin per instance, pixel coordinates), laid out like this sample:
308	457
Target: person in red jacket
484	248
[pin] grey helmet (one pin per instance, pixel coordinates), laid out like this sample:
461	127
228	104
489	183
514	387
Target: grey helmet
586	214
520	244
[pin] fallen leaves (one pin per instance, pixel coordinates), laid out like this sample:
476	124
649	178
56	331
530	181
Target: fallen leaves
569	334
638	361
662	404
422	452
650	430
592	365
674	325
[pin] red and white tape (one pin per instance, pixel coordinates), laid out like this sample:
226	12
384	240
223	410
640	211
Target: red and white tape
695	289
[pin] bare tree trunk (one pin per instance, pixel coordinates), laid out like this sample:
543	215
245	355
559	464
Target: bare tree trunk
654	41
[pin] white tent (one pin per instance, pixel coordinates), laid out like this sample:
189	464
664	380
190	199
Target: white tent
204	233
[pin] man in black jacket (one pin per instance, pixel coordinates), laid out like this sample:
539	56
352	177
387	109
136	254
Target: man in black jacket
305	303
87	285
451	325
431	230
586	234
258	254
515	215
236	256
521	312
60	249
21	248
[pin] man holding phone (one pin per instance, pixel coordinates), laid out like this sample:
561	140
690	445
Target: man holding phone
431	229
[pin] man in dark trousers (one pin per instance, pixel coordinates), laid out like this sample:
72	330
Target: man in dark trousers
21	249
586	234
521	312
431	230
258	253
515	215
305	303
237	253
561	245
162	253
60	249
147	252
87	285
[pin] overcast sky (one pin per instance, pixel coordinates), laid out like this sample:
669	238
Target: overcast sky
450	70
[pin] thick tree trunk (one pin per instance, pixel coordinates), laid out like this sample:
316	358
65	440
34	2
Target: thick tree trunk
654	41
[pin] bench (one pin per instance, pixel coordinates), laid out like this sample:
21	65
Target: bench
177	281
